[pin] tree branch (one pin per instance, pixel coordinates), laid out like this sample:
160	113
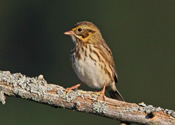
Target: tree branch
37	89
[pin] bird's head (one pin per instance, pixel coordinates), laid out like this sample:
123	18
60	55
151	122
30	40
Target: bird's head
84	32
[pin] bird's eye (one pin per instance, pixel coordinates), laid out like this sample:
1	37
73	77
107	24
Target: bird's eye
79	29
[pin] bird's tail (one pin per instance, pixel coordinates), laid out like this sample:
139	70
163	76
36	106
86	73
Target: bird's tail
115	94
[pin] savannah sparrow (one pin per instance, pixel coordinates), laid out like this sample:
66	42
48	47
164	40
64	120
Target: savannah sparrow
92	59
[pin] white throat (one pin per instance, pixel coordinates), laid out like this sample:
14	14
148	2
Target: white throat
73	38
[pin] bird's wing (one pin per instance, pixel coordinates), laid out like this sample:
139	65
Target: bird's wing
107	54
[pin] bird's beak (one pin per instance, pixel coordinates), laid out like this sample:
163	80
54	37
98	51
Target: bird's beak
70	32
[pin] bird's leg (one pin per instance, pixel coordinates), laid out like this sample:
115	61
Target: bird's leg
102	93
73	87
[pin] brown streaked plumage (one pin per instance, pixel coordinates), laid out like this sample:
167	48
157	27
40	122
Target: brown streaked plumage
92	59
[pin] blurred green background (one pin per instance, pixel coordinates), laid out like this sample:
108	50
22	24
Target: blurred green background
140	34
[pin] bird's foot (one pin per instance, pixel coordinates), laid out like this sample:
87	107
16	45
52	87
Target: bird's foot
72	88
102	93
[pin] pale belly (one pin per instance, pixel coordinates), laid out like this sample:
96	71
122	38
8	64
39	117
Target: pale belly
89	72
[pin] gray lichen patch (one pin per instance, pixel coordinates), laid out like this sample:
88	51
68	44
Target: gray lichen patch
99	106
35	85
68	97
150	109
2	97
132	109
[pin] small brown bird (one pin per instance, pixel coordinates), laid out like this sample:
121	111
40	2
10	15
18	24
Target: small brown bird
92	59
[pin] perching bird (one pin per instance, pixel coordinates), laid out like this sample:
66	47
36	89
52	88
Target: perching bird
92	59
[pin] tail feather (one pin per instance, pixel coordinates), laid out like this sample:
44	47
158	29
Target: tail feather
115	95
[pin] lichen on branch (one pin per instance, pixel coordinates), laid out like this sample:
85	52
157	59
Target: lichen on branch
37	89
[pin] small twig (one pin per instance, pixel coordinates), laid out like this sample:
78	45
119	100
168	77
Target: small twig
37	89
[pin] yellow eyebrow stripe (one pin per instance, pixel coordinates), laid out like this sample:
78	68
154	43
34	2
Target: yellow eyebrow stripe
74	28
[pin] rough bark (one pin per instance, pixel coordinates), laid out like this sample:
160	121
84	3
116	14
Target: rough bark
37	89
